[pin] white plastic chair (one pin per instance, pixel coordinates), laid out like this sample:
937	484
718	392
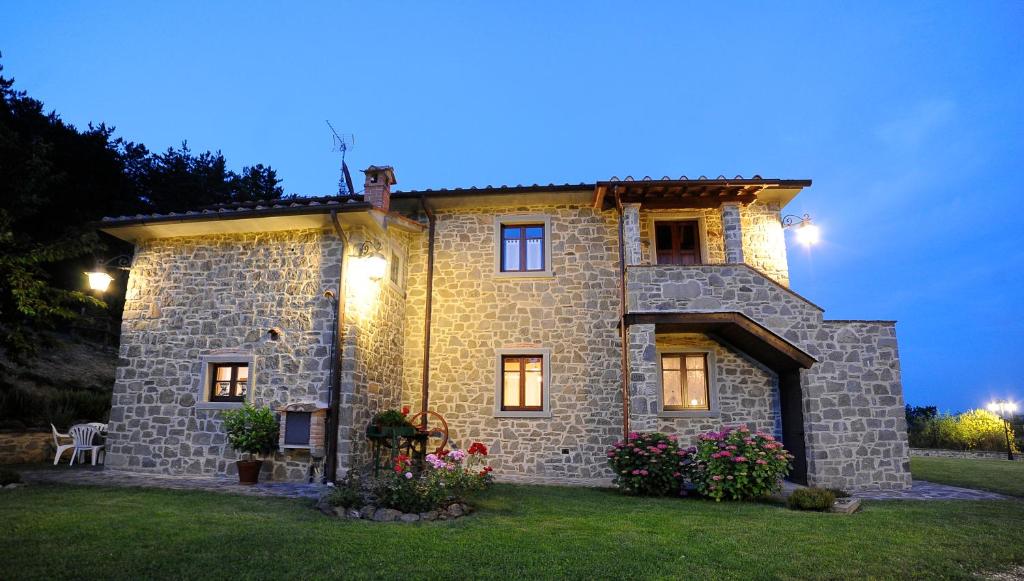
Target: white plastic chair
84	436
60	447
100	427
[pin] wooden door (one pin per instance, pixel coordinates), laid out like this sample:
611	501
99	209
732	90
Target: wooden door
677	242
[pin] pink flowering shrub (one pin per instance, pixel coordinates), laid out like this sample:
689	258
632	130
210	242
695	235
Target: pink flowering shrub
736	464
647	464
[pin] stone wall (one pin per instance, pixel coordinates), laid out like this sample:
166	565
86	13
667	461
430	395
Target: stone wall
373	355
731	287
713	237
28	448
189	297
746	392
764	241
856	430
971	454
852	398
574	313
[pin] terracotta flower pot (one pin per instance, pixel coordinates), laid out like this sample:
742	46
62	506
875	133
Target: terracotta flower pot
249	471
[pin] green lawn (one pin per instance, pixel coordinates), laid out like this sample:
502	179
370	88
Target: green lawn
995	475
529	532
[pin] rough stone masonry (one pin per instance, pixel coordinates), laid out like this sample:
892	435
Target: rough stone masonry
194	298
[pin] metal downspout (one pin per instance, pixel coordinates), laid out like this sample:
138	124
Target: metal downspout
623	331
428	309
337	358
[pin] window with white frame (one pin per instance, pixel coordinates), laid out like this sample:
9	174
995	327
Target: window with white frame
523	383
523	245
226	380
687	383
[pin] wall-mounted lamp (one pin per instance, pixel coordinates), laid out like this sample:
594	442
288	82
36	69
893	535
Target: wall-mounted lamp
807	233
99	278
374	264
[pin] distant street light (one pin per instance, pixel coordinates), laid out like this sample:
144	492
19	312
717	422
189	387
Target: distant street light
807	233
1005	410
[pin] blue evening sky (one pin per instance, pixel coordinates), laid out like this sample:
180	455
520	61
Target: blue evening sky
907	116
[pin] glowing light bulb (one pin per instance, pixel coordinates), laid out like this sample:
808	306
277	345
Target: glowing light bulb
99	280
808	234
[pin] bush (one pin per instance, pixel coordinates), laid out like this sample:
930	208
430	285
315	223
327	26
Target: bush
971	430
647	464
820	499
348	493
736	464
449	477
8	476
251	430
838	492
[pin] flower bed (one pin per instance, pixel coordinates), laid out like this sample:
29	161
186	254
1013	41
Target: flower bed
732	464
405	493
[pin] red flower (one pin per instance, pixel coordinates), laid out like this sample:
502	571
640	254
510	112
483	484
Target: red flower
405	410
478	448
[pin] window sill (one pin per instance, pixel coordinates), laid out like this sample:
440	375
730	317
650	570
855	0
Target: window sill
525	415
219	405
689	414
526	274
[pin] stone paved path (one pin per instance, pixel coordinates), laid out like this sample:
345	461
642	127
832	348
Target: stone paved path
97	476
100	477
922	490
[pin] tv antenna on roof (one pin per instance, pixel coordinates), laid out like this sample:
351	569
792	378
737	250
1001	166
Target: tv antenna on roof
343	142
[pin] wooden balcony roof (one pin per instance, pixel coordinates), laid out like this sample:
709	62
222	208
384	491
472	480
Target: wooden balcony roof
669	193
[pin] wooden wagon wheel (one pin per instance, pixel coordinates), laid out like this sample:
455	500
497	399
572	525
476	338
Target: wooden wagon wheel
437	431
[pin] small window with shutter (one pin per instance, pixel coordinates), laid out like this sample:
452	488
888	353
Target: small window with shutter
296	430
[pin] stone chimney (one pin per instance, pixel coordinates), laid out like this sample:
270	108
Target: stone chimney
377	189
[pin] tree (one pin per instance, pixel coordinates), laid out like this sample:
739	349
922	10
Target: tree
56	181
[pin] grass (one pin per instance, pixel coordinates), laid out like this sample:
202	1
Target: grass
523	532
995	475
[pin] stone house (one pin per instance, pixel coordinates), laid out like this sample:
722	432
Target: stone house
544	321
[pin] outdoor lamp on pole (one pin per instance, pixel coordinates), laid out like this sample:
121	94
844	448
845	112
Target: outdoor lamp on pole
1005	409
807	233
99	278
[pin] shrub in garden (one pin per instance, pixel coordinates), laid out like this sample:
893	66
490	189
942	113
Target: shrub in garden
838	492
402	489
736	464
8	476
647	464
820	499
348	493
448	477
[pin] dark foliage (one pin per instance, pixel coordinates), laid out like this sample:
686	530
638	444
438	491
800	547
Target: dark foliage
56	181
819	499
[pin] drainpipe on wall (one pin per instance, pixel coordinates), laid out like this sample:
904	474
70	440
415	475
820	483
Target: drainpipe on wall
623	332
337	354
428	308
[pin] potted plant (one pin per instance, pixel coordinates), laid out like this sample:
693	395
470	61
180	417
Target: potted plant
251	431
390	424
